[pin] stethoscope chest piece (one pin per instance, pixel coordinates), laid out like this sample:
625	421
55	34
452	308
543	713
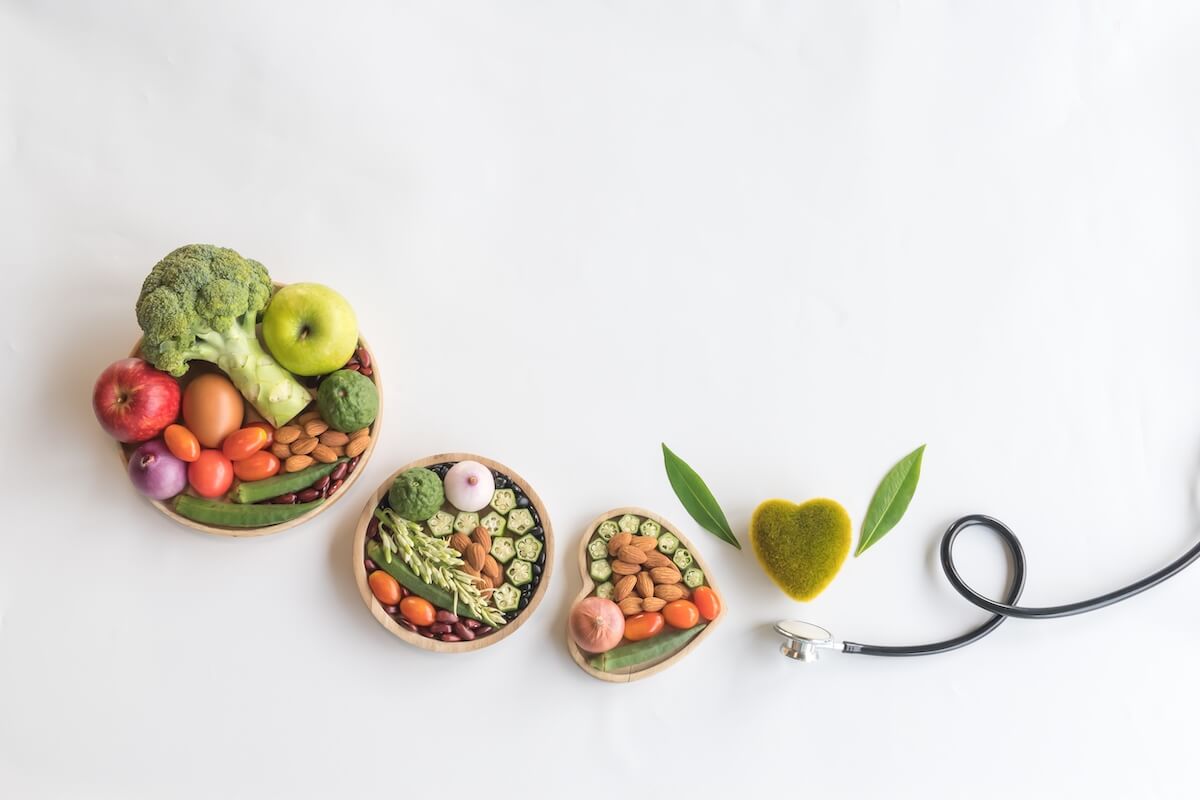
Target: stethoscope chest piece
802	640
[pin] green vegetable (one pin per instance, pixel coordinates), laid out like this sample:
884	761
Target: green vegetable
441	524
600	570
597	548
507	597
605	590
519	572
411	581
520	520
494	523
651	528
202	302
284	483
629	523
466	522
683	559
607	530
693	577
667	543
504	500
634	654
503	549
348	400
528	547
239	515
695	496
891	499
416	494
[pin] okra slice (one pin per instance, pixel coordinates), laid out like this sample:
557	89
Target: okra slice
605	590
441	524
503	549
693	578
520	520
608	529
600	570
504	500
597	548
630	523
494	523
667	543
683	559
466	522
651	528
519	572
528	548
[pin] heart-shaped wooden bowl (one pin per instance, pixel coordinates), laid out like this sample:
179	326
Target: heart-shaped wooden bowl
434	645
201	367
589	586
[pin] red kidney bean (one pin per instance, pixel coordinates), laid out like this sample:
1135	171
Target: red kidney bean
472	624
353	463
449	637
308	495
439	627
448	617
366	372
339	472
352	367
404	592
407	625
333	487
370	565
373	528
364	357
463	632
284	499
392	610
428	634
482	630
321	483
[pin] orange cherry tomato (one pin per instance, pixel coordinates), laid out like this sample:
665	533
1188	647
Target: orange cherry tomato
262	464
266	426
244	443
210	474
707	602
417	610
643	626
182	443
681	614
385	588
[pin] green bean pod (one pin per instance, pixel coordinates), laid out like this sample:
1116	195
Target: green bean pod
624	658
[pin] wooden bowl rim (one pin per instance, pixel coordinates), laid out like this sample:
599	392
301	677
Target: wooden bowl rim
588	585
415	639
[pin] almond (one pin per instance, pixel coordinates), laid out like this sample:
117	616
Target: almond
315	427
338	451
624	587
625	568
653	604
460	542
668	592
657	559
356	446
481	537
631	555
281	450
288	434
467	568
361	432
617	542
324	453
485	584
475	556
644	543
645	584
304	445
492	568
665	575
334	438
308	416
630	606
297	463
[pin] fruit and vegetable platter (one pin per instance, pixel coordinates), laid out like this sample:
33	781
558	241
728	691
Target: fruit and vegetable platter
453	553
248	406
648	598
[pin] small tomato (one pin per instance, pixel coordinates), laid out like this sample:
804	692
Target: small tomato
266	426
210	474
385	588
707	602
643	626
182	443
417	610
681	614
243	443
258	466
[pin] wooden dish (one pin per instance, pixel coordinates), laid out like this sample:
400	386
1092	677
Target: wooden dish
201	367
415	639
589	585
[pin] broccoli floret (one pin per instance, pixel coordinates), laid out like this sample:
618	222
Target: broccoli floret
202	302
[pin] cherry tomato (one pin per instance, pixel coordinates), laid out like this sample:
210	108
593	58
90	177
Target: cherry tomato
417	610
681	614
643	626
182	443
266	426
707	602
210	474
385	588
262	464
244	443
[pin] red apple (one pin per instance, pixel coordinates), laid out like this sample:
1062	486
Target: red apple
134	401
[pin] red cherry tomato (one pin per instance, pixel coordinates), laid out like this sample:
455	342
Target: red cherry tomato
262	464
182	443
643	626
707	602
210	474
266	426
681	614
385	588
417	610
244	443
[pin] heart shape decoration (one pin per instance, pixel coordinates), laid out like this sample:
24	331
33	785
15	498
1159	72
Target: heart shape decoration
801	547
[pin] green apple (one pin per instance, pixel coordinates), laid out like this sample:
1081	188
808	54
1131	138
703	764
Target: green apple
310	329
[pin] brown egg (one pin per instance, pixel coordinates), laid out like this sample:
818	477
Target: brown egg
212	408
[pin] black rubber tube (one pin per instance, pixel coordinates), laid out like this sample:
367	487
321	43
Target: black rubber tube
1001	611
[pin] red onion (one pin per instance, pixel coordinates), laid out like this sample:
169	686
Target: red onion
597	624
155	472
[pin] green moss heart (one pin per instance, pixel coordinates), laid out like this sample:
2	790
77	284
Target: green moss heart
801	547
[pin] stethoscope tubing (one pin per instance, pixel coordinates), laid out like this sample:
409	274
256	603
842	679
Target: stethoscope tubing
1007	608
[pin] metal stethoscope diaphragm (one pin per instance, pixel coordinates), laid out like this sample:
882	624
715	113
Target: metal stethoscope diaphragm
803	641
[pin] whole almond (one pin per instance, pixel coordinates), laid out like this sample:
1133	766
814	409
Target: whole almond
281	450
631	555
657	559
338	451
356	446
481	537
460	542
645	584
668	592
653	604
475	556
624	587
646	543
492	568
467	568
485	583
625	568
630	606
360	433
315	427
308	416
666	575
288	434
334	438
617	542
324	453
297	463
304	445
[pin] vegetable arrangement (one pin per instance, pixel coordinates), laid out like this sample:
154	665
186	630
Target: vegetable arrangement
439	568
649	596
239	434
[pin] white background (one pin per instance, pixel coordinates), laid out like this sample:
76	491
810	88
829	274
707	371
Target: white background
793	240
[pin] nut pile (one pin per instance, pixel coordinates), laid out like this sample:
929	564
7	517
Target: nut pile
480	564
644	579
309	440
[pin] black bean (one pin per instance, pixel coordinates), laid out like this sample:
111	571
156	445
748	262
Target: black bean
537	533
522	501
524	602
537	571
541	559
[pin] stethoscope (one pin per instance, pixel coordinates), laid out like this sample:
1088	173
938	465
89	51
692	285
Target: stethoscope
804	641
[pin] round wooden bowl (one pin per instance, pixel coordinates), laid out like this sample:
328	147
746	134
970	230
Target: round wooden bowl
201	367
589	585
415	639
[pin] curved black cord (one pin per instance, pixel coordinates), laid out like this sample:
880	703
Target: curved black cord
1008	608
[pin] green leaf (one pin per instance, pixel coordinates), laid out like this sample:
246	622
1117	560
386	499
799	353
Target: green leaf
697	498
891	499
